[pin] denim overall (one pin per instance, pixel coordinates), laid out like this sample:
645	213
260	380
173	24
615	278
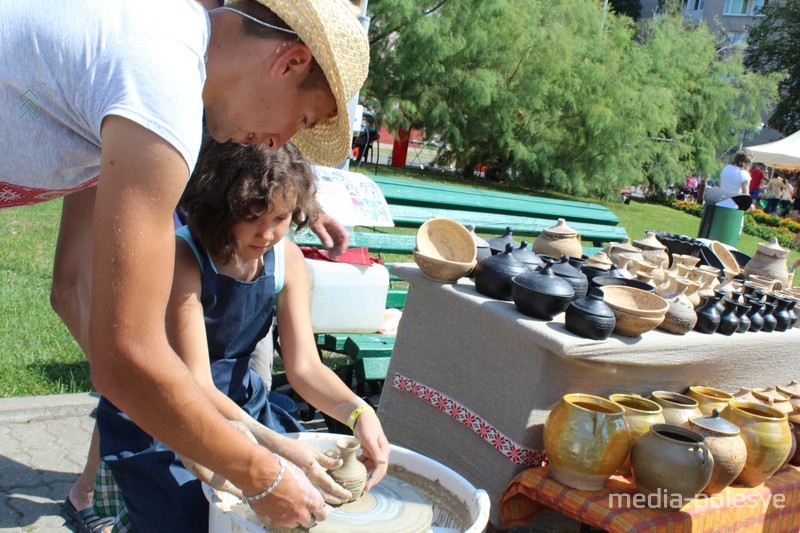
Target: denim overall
159	493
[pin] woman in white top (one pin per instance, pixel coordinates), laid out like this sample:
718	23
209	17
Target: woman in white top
735	178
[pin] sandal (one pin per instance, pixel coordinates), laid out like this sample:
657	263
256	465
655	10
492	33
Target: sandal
86	521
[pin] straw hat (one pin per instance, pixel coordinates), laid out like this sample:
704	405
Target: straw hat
339	43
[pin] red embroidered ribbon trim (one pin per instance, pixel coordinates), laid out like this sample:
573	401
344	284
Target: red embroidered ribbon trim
13	195
516	452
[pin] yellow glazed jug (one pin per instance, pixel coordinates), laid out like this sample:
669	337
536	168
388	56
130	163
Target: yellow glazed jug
586	439
640	414
766	434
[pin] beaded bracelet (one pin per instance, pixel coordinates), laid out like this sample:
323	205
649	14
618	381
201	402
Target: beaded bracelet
268	490
351	420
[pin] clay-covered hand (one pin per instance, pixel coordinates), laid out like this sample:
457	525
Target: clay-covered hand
294	502
375	446
211	478
313	463
332	234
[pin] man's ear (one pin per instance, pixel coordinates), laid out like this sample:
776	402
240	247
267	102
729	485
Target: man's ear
293	59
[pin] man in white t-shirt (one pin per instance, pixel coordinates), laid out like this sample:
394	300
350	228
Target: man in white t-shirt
103	106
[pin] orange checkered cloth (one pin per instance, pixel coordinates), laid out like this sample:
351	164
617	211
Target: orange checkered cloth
771	507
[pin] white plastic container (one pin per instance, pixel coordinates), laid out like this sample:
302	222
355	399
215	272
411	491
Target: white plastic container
222	519
347	298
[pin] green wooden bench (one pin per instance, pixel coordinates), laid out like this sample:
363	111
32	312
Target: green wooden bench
409	216
408	192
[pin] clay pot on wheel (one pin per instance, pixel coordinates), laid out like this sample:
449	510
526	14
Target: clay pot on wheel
726	446
586	439
352	475
766	434
671	461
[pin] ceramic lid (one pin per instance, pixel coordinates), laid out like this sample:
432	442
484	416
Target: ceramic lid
622	247
772	249
564	269
593	304
499	243
526	255
650	242
770	394
600	259
560	229
792	389
715	423
544	281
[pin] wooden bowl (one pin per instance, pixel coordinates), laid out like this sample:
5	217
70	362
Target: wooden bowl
635	302
446	239
631	325
437	269
725	257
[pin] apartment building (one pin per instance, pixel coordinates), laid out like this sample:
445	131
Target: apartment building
732	18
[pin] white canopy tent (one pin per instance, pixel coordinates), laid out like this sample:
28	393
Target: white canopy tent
784	153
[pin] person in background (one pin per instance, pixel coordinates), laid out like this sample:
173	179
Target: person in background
787	196
734	178
110	118
234	271
773	191
756	177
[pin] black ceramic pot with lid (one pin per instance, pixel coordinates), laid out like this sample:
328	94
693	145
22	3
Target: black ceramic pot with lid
540	293
590	317
498	244
528	256
576	278
493	274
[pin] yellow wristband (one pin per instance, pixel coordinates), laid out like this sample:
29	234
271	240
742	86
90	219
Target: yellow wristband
351	420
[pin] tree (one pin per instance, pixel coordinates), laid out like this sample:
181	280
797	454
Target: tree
542	91
774	47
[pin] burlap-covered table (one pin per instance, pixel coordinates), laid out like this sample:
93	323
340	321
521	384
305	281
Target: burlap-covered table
471	380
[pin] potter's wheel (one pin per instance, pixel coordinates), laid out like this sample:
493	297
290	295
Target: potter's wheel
391	506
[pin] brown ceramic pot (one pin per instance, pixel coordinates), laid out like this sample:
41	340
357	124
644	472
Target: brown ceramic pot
558	240
726	446
769	262
766	434
586	439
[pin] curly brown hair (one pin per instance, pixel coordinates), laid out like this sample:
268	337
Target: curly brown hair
231	182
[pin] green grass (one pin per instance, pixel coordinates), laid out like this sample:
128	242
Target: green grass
37	353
